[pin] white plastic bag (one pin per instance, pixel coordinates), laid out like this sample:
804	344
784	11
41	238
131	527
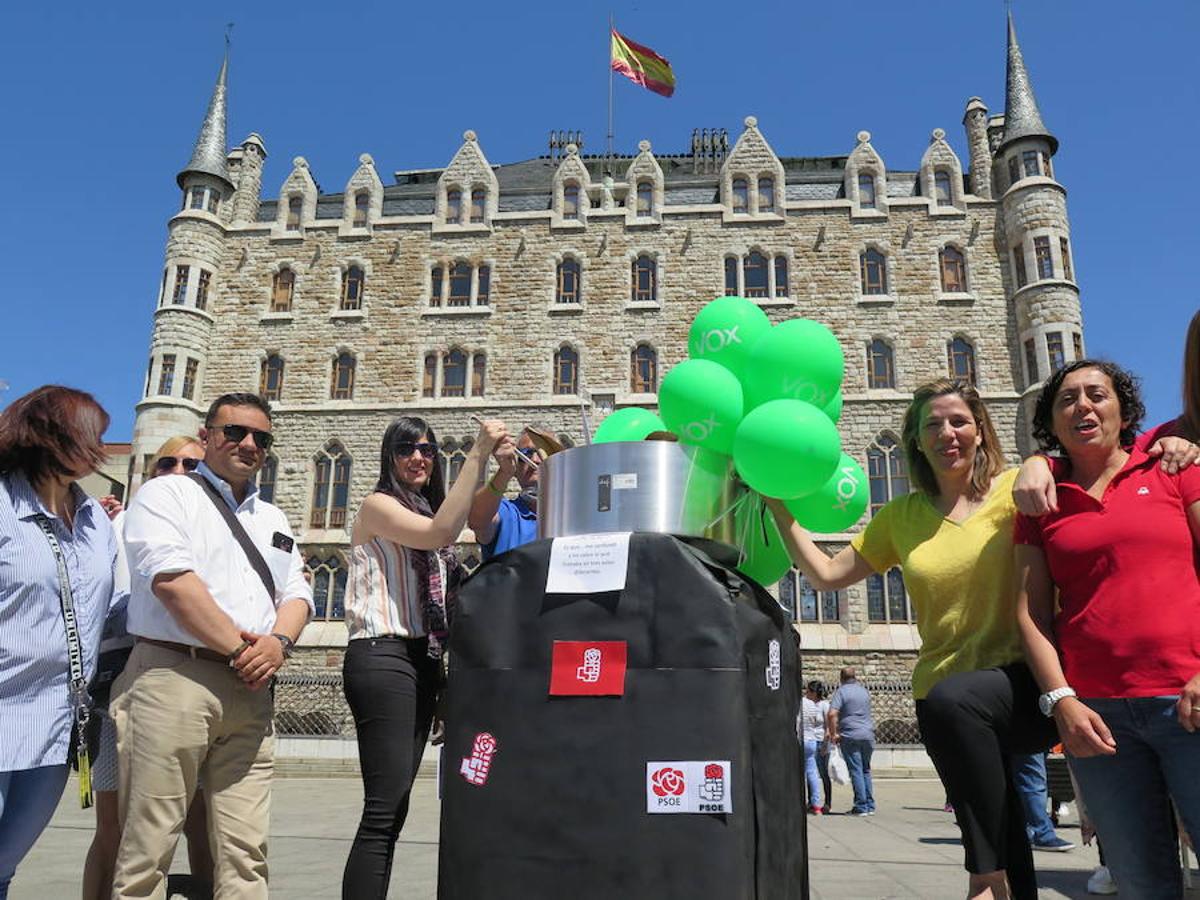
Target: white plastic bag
839	773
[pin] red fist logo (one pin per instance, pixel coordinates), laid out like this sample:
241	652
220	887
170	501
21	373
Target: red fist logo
667	781
712	770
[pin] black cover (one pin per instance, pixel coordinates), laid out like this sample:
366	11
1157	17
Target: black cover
563	812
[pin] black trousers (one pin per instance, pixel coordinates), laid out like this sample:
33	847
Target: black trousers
971	724
391	685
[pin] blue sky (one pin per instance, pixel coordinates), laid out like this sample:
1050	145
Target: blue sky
103	103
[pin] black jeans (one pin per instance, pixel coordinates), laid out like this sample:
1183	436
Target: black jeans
971	724
391	684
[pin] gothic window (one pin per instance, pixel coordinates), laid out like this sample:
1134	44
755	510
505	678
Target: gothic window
873	265
166	374
643	375
453	207
766	195
571	201
483	285
1030	161
266	479
179	294
353	281
645	198
478	374
1014	170
781	276
866	191
331	487
887	600
1041	253
567	277
294	208
754	274
478	205
953	266
460	284
566	370
1064	249
805	602
341	386
283	286
731	276
1031	363
1019	266
362	205
329	587
454	374
436	286
454	457
1054	350
941	188
202	283
741	195
644	288
429	376
270	378
189	377
961	358
1077	341
881	369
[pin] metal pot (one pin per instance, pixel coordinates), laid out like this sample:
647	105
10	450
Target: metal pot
658	486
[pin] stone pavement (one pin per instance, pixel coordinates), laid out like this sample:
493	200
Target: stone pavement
910	849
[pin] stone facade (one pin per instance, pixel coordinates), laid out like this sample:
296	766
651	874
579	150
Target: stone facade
700	226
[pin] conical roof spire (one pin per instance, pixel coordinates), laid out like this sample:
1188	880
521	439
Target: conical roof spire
208	156
1021	115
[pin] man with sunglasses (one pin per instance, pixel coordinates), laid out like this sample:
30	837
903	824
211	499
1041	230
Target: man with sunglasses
498	522
215	614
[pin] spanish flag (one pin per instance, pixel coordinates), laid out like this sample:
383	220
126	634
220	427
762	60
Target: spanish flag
641	65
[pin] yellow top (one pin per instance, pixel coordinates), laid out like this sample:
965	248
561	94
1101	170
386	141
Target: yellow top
959	577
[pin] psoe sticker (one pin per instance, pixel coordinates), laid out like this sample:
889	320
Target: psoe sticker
773	664
475	768
689	786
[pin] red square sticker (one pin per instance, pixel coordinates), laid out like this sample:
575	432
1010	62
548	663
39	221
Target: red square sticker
588	669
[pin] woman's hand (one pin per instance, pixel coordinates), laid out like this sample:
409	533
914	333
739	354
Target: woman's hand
491	433
1177	453
1082	730
1188	706
1034	491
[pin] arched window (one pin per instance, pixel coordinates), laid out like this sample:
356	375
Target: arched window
436	287
961	356
874	272
270	378
283	286
731	276
645	198
353	282
483	285
643	370
362	206
754	275
567	278
295	207
881	369
781	276
454	456
866	191
429	376
941	188
454	374
571	201
741	195
478	205
887	599
342	384
478	374
645	280
566	370
453	207
329	586
460	284
953	266
766	195
266	479
331	487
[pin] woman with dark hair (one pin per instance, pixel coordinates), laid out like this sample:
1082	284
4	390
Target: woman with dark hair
403	575
1120	660
814	693
57	556
976	700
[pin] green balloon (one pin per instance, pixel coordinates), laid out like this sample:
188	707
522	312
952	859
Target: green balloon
837	504
764	555
629	424
786	449
833	408
798	360
701	401
726	330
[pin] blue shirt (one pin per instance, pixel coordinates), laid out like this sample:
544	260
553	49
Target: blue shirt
853	704
516	525
35	707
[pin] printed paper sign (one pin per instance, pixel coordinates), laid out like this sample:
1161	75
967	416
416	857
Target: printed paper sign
588	668
588	563
689	786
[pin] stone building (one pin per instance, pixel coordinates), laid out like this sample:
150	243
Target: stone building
524	290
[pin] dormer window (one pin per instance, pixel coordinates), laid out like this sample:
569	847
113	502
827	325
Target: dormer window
453	207
741	196
295	205
478	205
571	201
866	191
766	195
362	205
645	198
941	188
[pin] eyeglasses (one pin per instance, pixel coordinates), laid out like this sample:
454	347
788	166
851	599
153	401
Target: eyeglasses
237	434
167	463
528	455
405	449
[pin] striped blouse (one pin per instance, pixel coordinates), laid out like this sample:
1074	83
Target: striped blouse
382	594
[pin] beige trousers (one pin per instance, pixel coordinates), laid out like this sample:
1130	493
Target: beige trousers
177	718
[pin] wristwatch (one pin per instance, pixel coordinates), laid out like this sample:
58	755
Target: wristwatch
1049	700
286	642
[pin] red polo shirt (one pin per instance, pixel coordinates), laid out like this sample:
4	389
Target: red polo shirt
1126	571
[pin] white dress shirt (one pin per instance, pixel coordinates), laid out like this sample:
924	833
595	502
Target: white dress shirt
173	526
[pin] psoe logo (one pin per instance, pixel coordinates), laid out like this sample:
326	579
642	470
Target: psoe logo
475	768
773	664
668	785
589	672
712	788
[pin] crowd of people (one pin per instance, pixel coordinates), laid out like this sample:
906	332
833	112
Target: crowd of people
1060	601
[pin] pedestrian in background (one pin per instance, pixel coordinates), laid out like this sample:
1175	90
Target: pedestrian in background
852	727
811	731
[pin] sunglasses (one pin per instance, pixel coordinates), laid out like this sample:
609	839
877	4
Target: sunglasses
528	455
237	434
167	463
405	449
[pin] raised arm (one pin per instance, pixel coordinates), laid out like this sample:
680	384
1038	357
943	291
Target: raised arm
825	573
483	517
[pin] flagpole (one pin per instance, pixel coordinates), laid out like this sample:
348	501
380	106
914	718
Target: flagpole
608	160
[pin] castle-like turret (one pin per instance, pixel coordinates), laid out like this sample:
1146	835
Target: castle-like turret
1034	235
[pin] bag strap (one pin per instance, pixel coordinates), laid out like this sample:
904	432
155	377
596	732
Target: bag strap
253	554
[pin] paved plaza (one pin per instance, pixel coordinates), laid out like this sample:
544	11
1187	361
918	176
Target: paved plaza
909	850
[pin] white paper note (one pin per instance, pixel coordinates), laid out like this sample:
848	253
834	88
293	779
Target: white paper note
588	563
